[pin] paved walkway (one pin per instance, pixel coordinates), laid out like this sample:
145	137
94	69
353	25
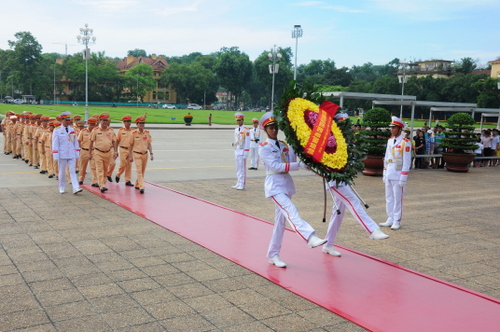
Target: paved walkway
81	263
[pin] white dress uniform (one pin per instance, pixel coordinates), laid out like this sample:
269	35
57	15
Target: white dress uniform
397	163
279	186
344	197
66	150
241	146
255	140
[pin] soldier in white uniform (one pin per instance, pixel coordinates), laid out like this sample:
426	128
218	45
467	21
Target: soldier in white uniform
278	160
241	144
397	163
255	139
66	150
345	197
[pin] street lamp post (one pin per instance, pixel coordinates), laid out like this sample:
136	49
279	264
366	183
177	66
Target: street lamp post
85	38
274	56
403	66
296	33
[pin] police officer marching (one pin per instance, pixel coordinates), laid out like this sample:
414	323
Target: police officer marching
139	144
65	150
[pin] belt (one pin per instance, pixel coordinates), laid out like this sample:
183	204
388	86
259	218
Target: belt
124	147
141	152
273	172
102	151
85	149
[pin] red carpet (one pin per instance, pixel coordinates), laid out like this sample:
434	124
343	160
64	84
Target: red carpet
373	293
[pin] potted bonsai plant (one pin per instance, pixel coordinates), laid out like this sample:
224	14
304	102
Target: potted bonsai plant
373	140
188	118
459	143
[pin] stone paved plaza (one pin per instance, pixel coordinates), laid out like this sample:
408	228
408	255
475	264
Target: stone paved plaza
81	263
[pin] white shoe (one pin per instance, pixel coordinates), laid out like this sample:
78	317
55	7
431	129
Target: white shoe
79	190
235	187
329	250
386	224
276	260
396	225
315	241
378	235
61	191
240	187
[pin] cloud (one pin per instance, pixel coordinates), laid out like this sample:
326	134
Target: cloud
192	7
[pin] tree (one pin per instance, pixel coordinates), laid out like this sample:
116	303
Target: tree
26	58
466	66
139	79
234	70
187	59
190	81
488	93
137	52
281	79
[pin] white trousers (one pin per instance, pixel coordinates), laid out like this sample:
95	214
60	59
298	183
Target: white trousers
344	197
284	211
254	157
62	174
241	170
394	201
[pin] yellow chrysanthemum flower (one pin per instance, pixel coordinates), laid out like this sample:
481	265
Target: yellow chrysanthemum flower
296	109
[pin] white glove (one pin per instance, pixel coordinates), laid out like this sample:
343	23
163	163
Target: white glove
402	183
56	159
384	179
245	155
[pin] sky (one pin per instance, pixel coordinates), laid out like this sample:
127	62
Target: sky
348	32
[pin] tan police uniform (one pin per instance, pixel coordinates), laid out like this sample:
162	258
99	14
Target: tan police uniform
103	143
140	143
84	141
123	138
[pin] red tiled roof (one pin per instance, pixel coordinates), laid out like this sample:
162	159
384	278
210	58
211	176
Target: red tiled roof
158	64
497	60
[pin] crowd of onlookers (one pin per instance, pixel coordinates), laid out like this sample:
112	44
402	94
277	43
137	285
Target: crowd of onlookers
428	141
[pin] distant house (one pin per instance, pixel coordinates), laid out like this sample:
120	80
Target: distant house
159	64
495	68
435	68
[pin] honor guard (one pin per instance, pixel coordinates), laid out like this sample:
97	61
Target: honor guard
66	151
139	144
123	138
397	163
255	138
103	148
241	145
345	197
278	160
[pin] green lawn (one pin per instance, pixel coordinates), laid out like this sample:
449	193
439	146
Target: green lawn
161	115
153	115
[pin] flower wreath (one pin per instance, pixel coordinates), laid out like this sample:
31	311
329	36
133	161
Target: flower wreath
327	146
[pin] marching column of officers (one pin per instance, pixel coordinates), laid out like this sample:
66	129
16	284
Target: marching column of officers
31	138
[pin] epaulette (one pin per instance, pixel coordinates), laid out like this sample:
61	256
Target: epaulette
263	143
284	143
406	139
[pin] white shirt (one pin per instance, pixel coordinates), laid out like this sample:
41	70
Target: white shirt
278	162
65	143
399	151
